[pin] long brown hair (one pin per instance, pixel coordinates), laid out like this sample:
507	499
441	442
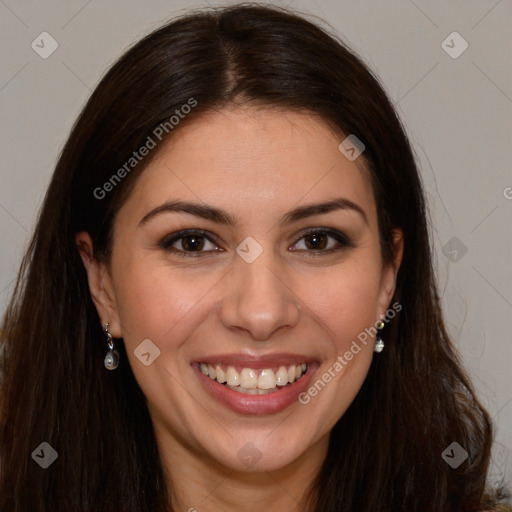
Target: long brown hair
385	452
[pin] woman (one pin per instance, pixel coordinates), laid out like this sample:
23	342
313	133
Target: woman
228	302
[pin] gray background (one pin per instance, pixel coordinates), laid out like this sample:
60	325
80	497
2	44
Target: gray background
457	111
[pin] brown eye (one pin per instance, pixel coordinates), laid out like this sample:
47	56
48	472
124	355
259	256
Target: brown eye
316	241
189	242
322	242
192	243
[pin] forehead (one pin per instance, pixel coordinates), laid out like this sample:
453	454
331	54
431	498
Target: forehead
253	160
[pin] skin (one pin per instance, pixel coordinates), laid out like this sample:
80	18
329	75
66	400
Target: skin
256	165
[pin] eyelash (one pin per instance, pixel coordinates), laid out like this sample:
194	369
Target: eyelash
343	241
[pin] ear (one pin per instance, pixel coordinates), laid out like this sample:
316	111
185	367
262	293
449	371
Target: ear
389	273
100	284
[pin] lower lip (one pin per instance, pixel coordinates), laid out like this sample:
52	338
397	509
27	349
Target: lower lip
270	403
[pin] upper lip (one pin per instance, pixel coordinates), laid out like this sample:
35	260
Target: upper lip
256	362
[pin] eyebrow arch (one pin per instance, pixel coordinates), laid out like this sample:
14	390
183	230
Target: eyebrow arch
222	217
199	210
339	203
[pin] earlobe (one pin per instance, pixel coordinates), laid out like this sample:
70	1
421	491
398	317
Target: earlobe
100	284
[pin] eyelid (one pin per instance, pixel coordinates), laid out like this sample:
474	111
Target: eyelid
167	241
343	239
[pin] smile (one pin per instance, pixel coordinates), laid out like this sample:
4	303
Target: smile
255	385
252	381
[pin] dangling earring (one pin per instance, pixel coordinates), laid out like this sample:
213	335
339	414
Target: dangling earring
379	344
112	358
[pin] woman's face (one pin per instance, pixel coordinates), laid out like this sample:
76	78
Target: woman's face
248	250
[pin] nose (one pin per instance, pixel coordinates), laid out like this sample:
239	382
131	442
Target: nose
258	300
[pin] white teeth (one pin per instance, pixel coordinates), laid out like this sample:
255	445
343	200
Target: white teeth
232	376
267	379
248	379
282	376
254	382
221	376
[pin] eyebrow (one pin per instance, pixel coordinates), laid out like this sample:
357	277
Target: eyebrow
222	217
320	208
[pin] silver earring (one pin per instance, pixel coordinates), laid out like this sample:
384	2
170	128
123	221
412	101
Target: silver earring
112	358
379	344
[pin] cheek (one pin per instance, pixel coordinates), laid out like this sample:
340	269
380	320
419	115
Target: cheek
154	301
346	297
345	301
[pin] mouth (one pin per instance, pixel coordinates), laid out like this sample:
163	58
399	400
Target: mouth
253	381
256	385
